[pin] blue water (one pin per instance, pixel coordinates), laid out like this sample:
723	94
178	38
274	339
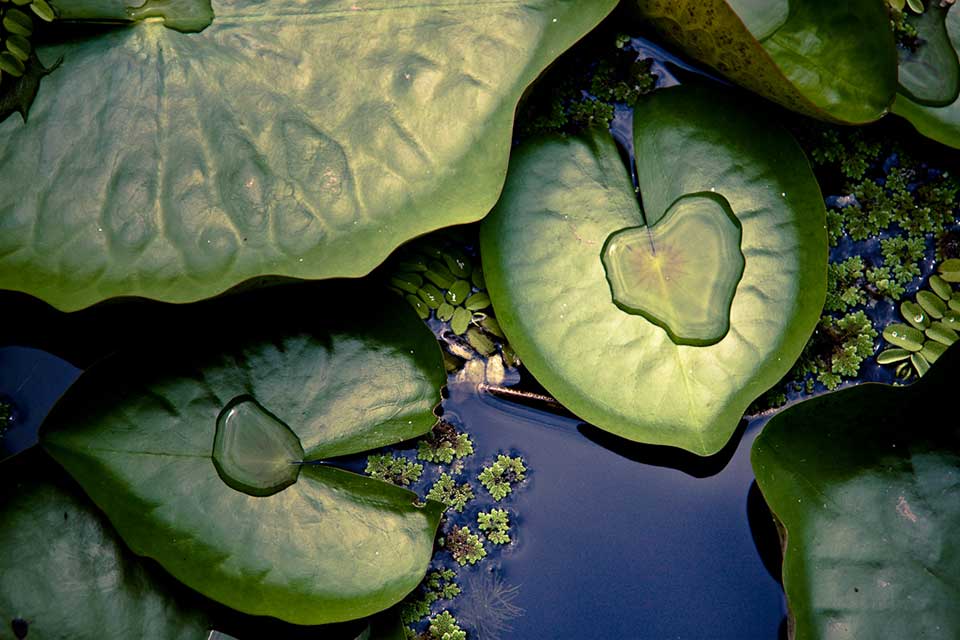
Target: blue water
611	543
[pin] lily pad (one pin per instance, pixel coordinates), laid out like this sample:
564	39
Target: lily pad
940	123
299	139
930	75
64	573
831	60
544	245
865	483
210	451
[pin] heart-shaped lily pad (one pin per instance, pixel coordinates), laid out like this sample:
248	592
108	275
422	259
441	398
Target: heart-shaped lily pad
567	199
940	123
830	60
209	450
680	273
866	485
300	139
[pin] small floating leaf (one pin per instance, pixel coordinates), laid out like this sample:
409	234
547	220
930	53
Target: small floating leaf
941	333
941	287
932	304
892	355
932	350
458	292
914	314
461	320
17	22
919	363
43	10
904	336
445	311
422	310
431	296
409	282
477	301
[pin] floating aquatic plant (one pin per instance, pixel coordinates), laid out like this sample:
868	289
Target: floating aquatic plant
394	469
464	545
495	524
443	444
443	626
446	490
437	585
499	477
933	319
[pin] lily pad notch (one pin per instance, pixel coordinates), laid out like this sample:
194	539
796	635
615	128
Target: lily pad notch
662	320
212	452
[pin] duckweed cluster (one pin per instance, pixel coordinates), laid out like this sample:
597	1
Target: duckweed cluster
499	477
894	213
443	444
583	88
437	585
495	525
932	322
394	469
464	545
446	490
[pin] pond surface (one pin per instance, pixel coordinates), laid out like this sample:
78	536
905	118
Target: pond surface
611	538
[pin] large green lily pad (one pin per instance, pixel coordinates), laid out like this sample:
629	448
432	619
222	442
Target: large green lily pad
866	485
300	139
940	123
64	573
544	248
341	374
831	60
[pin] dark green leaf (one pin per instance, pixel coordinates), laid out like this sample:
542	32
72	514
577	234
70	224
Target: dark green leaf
866	484
930	76
138	433
831	60
66	574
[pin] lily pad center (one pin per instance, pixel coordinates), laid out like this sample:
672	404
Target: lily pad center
253	450
682	272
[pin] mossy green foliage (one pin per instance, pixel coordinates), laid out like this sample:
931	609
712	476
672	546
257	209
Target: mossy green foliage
437	585
495	524
499	477
443	444
395	469
905	33
893	199
464	546
444	626
446	490
582	88
838	348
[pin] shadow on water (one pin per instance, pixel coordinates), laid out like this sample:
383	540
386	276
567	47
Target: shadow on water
765	535
662	456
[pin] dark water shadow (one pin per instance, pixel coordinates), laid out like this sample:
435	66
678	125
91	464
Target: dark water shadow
764	532
664	456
